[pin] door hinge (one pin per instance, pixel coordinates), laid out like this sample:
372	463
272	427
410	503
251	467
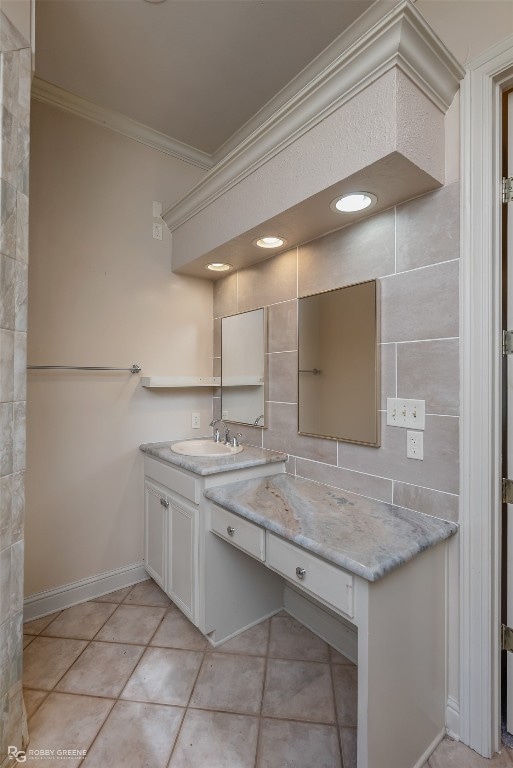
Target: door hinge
507	342
506	638
507	189
507	491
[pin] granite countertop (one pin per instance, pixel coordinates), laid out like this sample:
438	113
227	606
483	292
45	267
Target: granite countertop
249	457
368	538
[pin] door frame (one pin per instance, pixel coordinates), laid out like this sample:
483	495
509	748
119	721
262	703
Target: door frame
487	76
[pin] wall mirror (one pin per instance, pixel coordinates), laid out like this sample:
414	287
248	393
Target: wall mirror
243	367
338	371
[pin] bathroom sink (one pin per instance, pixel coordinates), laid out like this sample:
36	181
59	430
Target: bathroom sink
206	448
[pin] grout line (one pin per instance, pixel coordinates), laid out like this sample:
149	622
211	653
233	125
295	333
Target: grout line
417	269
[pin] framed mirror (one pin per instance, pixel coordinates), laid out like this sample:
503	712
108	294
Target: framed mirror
338	364
243	367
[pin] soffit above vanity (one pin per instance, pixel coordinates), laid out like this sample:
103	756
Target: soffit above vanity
372	119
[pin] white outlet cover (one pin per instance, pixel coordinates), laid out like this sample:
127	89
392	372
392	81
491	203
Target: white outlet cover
157	231
157	210
415	445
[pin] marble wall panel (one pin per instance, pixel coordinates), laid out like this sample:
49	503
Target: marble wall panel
15	83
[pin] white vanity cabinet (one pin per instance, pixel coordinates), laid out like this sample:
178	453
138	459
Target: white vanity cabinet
209	582
156	506
169	544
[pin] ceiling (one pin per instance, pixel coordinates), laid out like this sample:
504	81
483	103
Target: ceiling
194	70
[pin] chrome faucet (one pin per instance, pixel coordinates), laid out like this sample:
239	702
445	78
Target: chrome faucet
216	436
227	436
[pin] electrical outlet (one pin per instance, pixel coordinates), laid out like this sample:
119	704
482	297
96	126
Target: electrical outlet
224	414
195	421
410	414
415	445
157	210
157	231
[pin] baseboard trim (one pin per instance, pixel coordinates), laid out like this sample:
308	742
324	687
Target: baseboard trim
51	600
421	762
340	634
452	718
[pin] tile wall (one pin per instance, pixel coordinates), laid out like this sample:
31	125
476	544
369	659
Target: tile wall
15	83
414	251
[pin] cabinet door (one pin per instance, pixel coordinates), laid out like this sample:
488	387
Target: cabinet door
155	533
182	584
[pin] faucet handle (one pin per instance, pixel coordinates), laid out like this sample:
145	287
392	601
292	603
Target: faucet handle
235	440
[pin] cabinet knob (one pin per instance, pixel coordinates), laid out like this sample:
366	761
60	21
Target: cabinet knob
231	530
300	572
164	502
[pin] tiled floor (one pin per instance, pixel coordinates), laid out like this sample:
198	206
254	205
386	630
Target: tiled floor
129	679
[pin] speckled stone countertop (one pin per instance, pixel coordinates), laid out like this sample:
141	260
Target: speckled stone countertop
369	538
249	457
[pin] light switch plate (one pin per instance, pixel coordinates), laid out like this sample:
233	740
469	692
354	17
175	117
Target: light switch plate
410	414
195	421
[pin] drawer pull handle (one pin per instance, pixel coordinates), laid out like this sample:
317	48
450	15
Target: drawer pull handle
300	572
231	530
164	502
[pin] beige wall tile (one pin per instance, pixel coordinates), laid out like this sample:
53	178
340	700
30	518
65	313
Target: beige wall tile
422	304
359	252
282	367
282	435
217	336
282	327
438	470
269	282
356	482
429	370
225	296
425	500
6	366
6	439
388	353
428	229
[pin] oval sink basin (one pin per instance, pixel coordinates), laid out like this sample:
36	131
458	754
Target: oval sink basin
206	448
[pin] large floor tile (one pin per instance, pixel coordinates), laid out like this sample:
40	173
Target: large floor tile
47	659
27	639
37	625
113	597
33	700
348	747
102	670
136	735
216	740
301	745
147	593
252	642
176	631
345	681
291	640
66	722
454	754
299	690
80	622
131	624
164	676
231	683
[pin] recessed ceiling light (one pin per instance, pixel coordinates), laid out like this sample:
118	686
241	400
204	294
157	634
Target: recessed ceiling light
354	201
270	241
218	266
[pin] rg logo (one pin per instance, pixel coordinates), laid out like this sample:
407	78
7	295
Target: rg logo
17	754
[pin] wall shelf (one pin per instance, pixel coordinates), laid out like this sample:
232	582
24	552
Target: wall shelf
180	382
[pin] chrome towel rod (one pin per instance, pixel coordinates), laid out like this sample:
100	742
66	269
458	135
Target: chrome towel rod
133	369
315	371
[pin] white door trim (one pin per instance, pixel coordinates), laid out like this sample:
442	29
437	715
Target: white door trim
480	447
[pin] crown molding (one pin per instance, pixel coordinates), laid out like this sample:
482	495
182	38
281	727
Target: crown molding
399	39
108	118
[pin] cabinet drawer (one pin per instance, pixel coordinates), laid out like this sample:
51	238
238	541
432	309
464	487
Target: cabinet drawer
323	580
239	532
177	481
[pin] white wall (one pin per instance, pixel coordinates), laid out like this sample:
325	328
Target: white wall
101	292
